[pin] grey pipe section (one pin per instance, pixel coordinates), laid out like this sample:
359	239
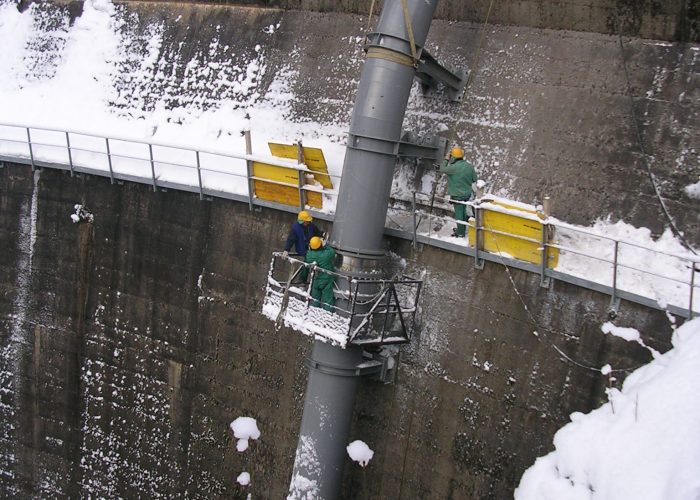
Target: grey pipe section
330	397
375	130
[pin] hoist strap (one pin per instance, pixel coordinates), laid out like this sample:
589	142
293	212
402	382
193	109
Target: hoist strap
409	28
478	52
390	55
371	11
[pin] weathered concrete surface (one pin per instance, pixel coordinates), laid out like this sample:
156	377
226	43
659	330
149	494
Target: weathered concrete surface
478	390
138	338
127	380
668	20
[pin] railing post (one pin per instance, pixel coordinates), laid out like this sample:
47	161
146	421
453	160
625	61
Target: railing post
153	167
386	313
353	298
613	298
478	236
31	151
544	281
301	180
693	270
415	222
199	176
546	211
249	168
300	186
109	161
70	156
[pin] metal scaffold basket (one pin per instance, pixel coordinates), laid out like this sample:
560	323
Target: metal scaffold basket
366	312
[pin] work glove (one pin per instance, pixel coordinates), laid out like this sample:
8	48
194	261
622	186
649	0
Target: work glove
285	254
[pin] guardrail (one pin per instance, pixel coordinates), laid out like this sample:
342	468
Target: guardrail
367	312
162	165
621	272
225	174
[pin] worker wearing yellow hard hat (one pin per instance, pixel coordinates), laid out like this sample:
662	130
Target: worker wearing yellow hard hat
322	288
299	236
460	176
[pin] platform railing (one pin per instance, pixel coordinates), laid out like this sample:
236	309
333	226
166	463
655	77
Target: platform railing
364	311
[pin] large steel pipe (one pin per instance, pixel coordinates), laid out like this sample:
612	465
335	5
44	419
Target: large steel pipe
375	130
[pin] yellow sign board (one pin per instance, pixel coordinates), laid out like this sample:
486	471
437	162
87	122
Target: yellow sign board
313	158
510	234
289	194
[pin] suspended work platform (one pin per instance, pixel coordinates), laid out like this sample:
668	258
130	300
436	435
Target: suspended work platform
366	312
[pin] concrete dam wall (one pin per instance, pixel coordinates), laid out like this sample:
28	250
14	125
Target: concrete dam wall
670	20
130	342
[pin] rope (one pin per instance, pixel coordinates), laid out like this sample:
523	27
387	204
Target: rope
409	28
478	50
544	339
389	55
371	11
640	143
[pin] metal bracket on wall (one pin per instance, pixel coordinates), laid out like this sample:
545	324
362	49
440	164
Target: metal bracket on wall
376	366
431	73
427	150
428	70
614	308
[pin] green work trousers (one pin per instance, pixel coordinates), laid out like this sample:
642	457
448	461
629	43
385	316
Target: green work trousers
461	214
322	290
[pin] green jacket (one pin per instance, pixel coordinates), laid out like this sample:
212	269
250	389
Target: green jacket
460	176
324	258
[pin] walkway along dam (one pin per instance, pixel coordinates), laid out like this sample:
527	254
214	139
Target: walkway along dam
133	338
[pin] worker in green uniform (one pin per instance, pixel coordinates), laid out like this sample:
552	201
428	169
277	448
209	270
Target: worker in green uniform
460	176
322	287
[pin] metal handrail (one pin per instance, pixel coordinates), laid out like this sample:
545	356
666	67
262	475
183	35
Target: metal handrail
690	261
359	326
153	179
151	159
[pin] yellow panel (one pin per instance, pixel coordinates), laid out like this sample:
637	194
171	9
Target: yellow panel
313	157
275	173
511	224
285	194
314	199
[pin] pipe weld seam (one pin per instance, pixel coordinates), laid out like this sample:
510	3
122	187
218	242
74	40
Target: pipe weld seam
329	369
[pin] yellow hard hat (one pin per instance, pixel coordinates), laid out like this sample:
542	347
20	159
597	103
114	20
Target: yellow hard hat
457	152
315	243
304	216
